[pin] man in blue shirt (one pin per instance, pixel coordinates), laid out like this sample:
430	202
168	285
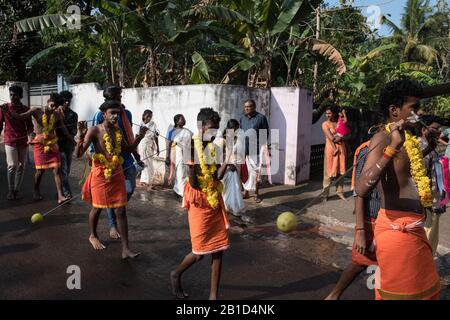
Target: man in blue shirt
253	120
129	170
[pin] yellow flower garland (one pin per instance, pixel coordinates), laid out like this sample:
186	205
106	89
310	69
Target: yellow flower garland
114	159
417	167
213	189
48	128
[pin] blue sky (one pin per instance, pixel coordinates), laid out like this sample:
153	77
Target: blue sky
392	7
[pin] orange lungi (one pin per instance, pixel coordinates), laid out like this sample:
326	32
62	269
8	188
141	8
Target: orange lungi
208	227
102	192
369	259
406	267
43	160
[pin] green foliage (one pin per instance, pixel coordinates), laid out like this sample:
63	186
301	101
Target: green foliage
260	43
15	53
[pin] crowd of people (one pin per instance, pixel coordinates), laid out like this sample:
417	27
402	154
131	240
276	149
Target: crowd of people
400	179
204	169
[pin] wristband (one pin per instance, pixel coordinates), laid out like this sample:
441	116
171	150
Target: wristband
390	152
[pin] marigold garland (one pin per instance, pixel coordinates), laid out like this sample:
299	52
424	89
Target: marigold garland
48	129
113	159
212	188
417	168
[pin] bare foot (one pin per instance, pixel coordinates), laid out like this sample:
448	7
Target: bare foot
177	290
245	195
257	199
37	196
113	233
332	297
62	199
212	297
10	195
96	244
342	196
128	254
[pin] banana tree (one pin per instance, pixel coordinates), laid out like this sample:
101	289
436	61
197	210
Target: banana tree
255	33
108	24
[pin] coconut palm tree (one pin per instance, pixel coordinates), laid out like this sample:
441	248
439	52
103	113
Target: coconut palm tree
415	35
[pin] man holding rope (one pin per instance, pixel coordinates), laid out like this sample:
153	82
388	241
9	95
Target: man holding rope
395	167
46	151
125	122
15	139
105	185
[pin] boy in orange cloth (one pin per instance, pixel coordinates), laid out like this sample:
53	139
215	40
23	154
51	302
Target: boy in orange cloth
406	267
208	224
105	185
45	143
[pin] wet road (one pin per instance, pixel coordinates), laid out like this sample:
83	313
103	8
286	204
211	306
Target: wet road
261	264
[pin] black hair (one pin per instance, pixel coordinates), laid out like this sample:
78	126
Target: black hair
111	93
252	101
109	104
177	118
56	98
232	124
146	112
17	90
427	120
67	95
208	114
395	92
334	110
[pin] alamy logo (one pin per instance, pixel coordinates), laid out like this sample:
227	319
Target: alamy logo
373	281
374	18
74	280
74	21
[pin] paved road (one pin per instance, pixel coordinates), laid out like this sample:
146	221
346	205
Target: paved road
261	264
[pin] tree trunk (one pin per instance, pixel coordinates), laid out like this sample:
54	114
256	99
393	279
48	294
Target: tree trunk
122	69
113	77
185	71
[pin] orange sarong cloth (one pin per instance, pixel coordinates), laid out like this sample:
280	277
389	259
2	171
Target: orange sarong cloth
44	160
335	164
406	267
126	125
208	227
102	192
369	259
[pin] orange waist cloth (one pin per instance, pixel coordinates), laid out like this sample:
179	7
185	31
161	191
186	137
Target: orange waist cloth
406	267
43	160
102	192
368	259
208	227
335	164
